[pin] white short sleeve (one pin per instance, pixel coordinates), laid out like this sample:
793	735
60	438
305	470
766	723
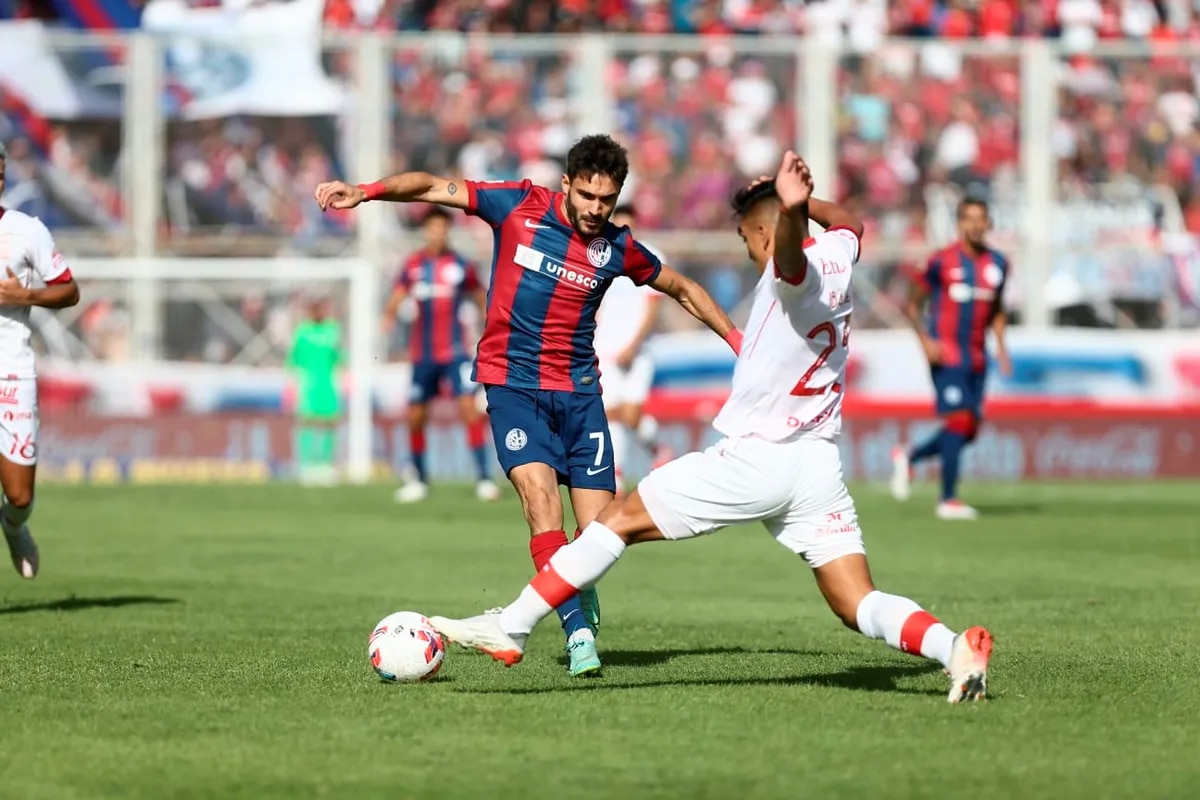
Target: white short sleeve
847	240
45	259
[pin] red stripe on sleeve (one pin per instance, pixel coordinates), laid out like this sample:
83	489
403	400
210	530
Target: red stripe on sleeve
65	277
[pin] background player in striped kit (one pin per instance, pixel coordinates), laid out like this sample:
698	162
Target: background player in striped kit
440	281
555	254
963	286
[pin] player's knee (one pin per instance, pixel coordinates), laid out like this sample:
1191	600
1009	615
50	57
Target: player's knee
416	415
19	496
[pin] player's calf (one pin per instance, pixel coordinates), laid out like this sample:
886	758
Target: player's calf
15	511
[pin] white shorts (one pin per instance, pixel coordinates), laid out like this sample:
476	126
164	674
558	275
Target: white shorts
19	420
622	387
794	488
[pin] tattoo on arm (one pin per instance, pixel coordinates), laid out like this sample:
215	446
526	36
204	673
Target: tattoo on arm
451	189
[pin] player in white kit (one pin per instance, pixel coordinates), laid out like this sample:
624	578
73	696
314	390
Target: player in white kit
27	256
625	319
778	462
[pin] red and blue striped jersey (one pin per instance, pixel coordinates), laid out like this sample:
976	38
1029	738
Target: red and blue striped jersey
547	283
965	293
440	283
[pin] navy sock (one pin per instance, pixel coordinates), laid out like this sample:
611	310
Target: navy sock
480	456
952	445
931	447
571	615
416	447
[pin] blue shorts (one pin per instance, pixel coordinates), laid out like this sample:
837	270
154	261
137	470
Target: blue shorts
565	430
959	389
428	377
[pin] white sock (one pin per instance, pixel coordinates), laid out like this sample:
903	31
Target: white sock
905	626
619	435
579	565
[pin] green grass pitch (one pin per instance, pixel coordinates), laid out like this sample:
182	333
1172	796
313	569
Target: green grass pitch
210	642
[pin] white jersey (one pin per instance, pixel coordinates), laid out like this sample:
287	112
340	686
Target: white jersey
621	312
790	376
26	248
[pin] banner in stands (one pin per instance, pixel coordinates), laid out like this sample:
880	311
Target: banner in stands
271	66
1066	443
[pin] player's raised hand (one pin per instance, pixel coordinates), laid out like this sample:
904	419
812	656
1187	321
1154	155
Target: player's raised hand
338	194
794	181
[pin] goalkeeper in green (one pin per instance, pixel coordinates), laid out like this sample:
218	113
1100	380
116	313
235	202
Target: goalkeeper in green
314	360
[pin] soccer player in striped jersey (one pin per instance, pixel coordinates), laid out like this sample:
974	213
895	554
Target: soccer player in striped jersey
963	289
441	281
555	254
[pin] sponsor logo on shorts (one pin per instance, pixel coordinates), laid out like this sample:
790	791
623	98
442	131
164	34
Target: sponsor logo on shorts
9	395
14	416
516	440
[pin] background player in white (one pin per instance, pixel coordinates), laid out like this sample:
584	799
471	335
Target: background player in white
623	324
26	253
778	462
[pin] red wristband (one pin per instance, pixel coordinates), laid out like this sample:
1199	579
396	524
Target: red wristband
373	190
734	338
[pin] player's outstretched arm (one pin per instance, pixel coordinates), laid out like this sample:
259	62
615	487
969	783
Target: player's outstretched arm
407	187
698	303
60	294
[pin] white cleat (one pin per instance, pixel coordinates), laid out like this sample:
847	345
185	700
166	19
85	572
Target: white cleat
487	492
411	492
901	474
482	633
968	665
24	552
956	510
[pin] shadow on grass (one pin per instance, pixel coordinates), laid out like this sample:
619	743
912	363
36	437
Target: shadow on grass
1007	509
867	678
84	603
649	658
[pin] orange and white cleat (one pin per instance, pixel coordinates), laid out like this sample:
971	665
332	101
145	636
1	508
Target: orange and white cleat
484	634
956	510
968	665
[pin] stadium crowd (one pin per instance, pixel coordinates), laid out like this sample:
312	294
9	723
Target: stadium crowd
697	123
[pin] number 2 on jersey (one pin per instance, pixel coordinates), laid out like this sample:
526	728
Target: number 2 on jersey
823	331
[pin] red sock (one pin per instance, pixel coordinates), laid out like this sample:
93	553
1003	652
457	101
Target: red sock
475	434
544	545
416	442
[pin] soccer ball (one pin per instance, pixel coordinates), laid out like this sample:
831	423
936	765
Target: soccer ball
404	648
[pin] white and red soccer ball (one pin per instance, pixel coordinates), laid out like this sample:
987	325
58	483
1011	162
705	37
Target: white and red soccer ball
405	648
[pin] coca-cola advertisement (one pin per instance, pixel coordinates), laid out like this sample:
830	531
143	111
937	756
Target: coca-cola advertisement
1015	443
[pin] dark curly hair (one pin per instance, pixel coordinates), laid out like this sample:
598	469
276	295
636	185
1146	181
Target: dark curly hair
750	196
598	154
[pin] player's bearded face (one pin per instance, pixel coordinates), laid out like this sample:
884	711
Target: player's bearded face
590	201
